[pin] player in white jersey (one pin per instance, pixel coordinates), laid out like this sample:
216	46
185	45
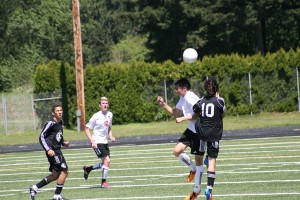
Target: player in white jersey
189	137
101	123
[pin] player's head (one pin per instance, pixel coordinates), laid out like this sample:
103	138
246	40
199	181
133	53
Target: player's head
211	87
183	82
103	103
57	112
54	107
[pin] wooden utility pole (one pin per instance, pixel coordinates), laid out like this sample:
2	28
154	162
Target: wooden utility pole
79	66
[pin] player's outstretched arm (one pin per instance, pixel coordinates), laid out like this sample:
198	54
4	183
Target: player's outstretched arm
175	112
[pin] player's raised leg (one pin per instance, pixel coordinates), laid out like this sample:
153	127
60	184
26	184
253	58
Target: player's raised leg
185	159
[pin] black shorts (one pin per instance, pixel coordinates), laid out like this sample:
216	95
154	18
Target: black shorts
213	149
191	139
57	162
102	150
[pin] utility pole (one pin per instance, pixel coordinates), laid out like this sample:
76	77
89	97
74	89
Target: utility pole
79	66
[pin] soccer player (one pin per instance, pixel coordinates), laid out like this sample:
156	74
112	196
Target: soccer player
51	139
101	123
209	126
189	137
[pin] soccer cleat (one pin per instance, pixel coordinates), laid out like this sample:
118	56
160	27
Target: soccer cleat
104	185
191	176
208	194
32	193
206	161
192	196
85	172
58	197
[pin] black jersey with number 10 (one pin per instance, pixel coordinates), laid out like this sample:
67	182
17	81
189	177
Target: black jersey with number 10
209	125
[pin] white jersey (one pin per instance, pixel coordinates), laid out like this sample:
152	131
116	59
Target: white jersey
100	124
186	104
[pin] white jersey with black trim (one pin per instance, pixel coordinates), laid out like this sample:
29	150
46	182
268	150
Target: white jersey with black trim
186	104
100	124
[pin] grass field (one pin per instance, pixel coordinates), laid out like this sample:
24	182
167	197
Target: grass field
266	168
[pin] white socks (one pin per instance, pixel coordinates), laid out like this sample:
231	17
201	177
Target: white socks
97	165
198	178
186	160
104	172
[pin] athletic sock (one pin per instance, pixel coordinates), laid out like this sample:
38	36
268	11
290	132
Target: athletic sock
34	187
211	176
104	172
42	183
198	178
96	166
186	160
59	188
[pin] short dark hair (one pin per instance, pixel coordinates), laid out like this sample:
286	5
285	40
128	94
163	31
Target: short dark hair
211	86
183	82
55	106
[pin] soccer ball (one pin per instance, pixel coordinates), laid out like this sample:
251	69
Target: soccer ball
190	55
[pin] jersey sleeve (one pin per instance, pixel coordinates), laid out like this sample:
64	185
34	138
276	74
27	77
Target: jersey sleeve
221	103
197	107
44	134
179	104
194	99
91	123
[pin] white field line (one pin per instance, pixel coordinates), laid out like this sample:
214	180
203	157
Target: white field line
121	156
154	185
256	164
256	144
136	177
247	157
121	152
157	151
173	197
169	167
89	152
150	177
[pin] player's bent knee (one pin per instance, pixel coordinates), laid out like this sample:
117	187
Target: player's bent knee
176	153
65	172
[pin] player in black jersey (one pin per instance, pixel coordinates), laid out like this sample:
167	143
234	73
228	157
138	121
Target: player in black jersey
51	139
209	127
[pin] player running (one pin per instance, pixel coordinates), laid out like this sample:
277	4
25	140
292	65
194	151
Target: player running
51	139
101	123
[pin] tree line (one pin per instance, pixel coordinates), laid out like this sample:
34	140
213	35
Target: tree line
33	32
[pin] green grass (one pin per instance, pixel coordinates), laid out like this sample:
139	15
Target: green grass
170	127
266	168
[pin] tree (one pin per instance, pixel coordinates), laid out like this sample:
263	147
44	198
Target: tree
276	24
130	48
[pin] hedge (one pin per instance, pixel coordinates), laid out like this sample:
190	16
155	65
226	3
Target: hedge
133	87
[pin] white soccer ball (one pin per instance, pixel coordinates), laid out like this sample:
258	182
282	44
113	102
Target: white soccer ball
190	55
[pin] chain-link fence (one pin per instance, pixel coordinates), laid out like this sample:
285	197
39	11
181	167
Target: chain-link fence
26	112
17	113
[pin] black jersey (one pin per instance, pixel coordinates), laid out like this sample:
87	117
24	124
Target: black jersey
209	125
51	136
